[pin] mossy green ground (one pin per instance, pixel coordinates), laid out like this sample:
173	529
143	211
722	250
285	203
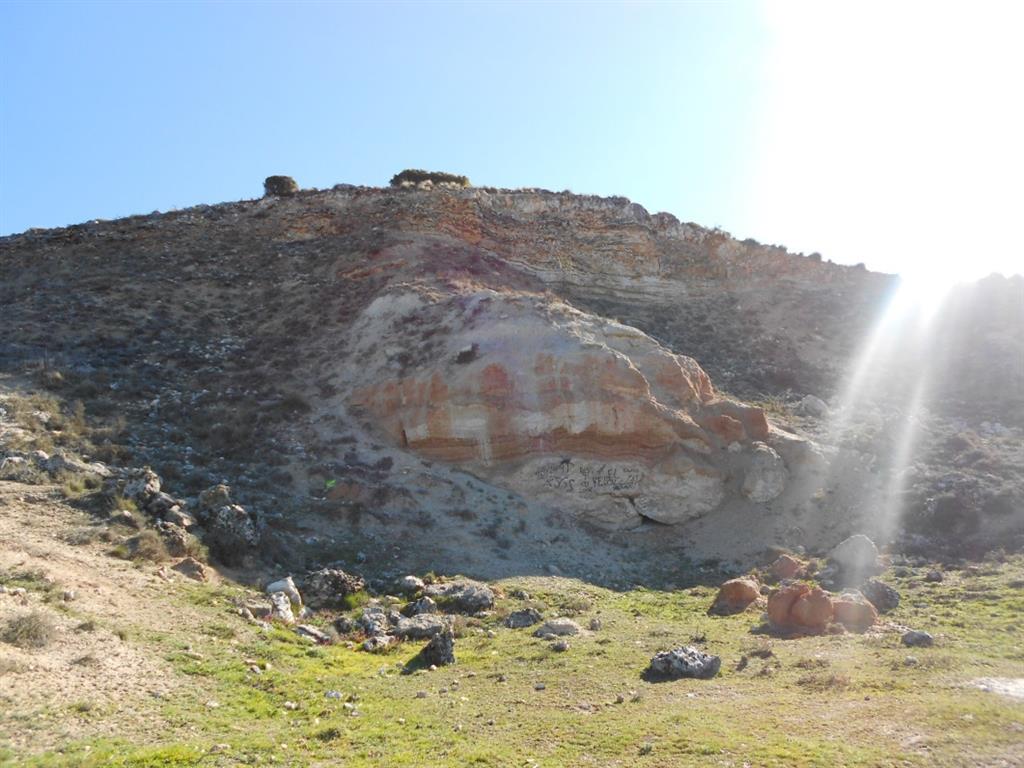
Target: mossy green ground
846	700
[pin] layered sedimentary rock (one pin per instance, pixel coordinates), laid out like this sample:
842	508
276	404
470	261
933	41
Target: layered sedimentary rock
584	412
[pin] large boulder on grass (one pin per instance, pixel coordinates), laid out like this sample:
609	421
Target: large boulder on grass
799	607
440	650
683	662
735	596
854	611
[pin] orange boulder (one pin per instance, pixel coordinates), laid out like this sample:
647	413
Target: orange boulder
799	606
813	610
735	596
853	611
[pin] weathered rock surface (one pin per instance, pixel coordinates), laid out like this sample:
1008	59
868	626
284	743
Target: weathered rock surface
410	585
918	638
191	568
420	606
881	595
440	651
141	486
310	632
305	282
558	627
176	539
684	662
463	596
375	620
526	617
330	587
586	413
423	625
286	585
735	596
281	609
766	476
231	534
379	643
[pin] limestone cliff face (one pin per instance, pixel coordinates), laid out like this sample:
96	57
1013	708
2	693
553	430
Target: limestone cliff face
552	402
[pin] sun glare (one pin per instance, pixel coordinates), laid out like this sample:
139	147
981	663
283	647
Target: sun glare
890	135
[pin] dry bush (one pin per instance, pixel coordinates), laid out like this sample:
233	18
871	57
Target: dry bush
147	545
33	630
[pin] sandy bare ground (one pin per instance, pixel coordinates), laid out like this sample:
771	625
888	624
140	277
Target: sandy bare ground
51	695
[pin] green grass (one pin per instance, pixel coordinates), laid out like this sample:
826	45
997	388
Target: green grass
845	700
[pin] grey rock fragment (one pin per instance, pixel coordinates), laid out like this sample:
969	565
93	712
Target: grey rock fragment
881	595
422	626
463	596
440	650
559	627
918	639
527	617
421	606
684	662
330	587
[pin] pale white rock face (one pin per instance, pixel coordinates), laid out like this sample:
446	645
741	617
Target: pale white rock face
766	476
288	588
582	413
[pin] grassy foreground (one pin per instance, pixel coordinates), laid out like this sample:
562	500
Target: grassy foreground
511	700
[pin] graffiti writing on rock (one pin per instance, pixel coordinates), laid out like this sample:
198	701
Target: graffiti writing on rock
577	477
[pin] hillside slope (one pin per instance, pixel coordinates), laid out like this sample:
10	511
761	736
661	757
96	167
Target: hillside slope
363	367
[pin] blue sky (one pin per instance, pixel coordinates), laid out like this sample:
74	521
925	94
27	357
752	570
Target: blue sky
708	110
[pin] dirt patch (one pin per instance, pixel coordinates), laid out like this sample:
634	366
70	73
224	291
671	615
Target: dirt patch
99	607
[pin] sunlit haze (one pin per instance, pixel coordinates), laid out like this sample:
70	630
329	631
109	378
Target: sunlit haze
890	133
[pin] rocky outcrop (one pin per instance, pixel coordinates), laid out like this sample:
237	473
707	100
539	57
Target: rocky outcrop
463	596
330	587
562	406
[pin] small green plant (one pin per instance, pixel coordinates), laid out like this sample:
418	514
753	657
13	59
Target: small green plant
76	486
